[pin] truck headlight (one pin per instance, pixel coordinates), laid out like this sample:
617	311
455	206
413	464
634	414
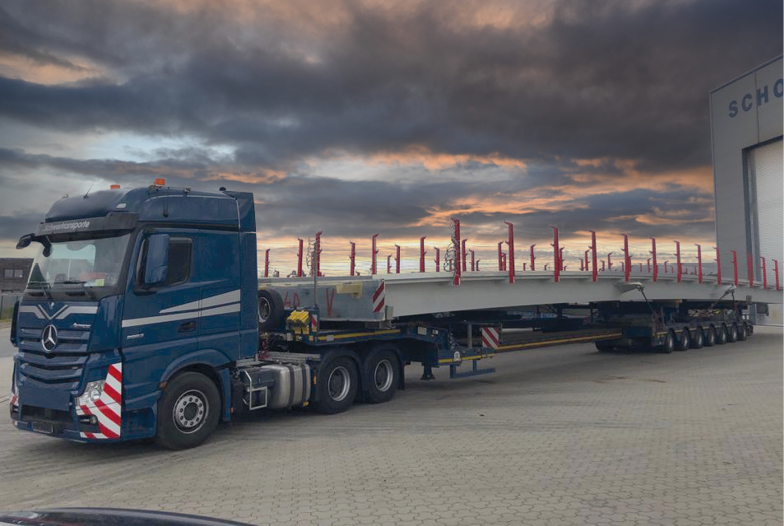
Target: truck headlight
92	392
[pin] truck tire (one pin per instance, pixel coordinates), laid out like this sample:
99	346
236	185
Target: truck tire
742	332
188	411
381	369
732	334
684	342
721	334
698	338
670	342
710	336
604	347
336	385
271	315
749	330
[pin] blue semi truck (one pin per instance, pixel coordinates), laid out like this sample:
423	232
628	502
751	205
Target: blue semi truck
144	317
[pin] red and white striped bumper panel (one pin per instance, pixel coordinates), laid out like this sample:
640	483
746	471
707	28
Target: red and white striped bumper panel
378	298
490	337
108	408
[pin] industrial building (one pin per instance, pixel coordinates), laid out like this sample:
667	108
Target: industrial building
746	139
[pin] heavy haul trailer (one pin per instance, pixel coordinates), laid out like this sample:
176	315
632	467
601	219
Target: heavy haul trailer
143	317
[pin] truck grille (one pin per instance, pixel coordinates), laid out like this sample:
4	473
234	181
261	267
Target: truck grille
61	366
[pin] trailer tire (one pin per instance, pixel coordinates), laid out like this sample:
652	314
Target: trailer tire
381	371
721	334
732	333
710	336
742	332
684	342
698	340
670	342
270	306
188	411
336	385
749	330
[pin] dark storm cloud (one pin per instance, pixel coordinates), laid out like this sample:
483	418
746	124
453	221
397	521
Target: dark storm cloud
597	79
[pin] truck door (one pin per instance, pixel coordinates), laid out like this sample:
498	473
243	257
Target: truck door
217	267
159	324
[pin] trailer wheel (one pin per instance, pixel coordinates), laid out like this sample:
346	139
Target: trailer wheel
670	341
732	334
749	330
381	369
336	385
741	332
721	334
604	347
710	336
698	339
271	315
684	342
188	411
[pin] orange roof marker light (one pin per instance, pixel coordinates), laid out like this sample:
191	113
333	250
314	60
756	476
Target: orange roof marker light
160	182
114	187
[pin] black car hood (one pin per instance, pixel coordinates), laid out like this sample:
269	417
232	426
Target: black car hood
107	517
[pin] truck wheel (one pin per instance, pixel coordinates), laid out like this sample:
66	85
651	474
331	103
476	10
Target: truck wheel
698	339
684	342
710	336
741	332
721	334
381	369
732	335
336	384
749	330
669	343
188	411
271	315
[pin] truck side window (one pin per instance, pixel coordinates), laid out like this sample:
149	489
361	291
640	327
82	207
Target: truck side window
180	255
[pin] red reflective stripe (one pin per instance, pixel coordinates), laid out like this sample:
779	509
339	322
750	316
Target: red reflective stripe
107	432
490	337
378	292
86	409
493	336
115	373
380	306
108	412
109	390
89	435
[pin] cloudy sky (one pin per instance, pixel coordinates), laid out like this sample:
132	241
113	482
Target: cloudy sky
389	117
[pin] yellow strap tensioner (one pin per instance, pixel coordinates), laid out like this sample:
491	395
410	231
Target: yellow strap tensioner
299	321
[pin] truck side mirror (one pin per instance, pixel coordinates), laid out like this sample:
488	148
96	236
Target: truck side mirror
156	267
24	241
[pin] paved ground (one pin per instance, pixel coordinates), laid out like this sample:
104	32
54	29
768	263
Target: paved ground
557	436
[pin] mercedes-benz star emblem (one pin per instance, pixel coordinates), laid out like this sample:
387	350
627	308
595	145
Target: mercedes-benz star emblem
49	338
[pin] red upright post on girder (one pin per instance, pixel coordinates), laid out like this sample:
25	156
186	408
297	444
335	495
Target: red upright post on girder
556	256
764	273
266	263
678	260
465	260
422	253
776	272
603	265
666	265
473	262
627	268
438	259
586	259
653	257
649	265
353	256
533	258
456	240
500	257
750	266
374	252
561	258
594	271
609	261
300	255
734	267
317	251
503	262
582	265
641	268
397	259
699	263
389	264
718	266
510	260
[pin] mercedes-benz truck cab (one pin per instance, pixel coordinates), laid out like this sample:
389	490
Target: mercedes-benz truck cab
131	291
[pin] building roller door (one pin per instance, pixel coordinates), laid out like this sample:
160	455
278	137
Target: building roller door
766	175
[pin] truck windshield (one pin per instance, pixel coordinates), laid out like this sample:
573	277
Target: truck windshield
90	262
